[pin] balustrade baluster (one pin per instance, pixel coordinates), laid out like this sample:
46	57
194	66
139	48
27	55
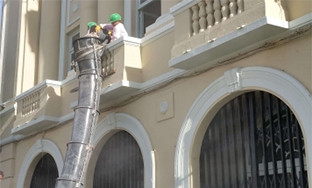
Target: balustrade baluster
28	105
202	16
207	13
209	10
104	63
23	107
233	8
217	11
33	98
38	101
195	19
240	5
31	102
225	9
107	63
111	63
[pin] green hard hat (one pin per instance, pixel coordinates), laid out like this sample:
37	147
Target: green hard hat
90	24
114	17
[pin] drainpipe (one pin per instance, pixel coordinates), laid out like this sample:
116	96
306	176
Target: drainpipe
88	51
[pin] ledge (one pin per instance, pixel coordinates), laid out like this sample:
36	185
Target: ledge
118	90
40	124
182	6
230	45
124	88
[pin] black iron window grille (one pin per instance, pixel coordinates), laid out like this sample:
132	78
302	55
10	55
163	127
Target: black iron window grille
120	163
254	141
45	173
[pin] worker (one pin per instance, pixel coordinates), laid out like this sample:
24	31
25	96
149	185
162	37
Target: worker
95	30
92	30
105	35
118	29
91	25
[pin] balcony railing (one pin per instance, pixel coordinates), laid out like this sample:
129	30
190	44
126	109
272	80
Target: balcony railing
121	68
108	63
208	13
36	108
30	104
218	30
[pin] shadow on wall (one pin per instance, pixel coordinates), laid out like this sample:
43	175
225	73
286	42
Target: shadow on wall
42	36
53	102
283	6
6	124
50	103
32	35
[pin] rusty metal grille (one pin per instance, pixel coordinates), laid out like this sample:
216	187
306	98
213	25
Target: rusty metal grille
108	63
120	163
254	141
45	173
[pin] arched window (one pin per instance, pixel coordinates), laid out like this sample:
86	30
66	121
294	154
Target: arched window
120	163
253	141
45	173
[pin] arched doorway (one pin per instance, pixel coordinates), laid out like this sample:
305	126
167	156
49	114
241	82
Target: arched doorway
253	141
119	164
45	173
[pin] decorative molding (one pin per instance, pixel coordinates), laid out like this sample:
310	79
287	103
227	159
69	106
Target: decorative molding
121	121
40	146
163	107
69	11
233	79
75	7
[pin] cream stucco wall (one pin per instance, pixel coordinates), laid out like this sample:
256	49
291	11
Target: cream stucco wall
164	134
49	40
296	9
154	62
291	55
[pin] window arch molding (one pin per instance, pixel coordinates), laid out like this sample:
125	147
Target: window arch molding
234	81
40	146
113	123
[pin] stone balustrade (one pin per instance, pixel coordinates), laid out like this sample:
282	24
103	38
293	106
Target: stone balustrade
208	23
37	105
30	103
208	13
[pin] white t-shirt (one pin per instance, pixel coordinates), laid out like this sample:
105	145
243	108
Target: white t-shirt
119	31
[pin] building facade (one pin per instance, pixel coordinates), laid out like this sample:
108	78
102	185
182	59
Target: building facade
203	93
